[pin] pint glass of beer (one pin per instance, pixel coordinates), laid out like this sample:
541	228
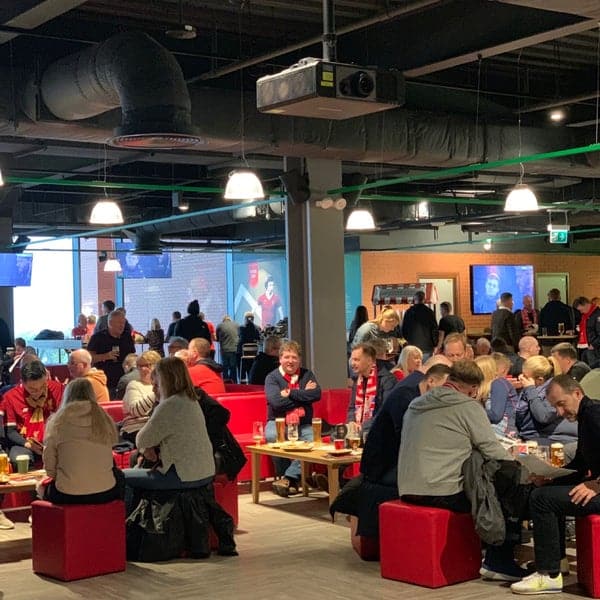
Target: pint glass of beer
3	463
557	454
316	428
280	425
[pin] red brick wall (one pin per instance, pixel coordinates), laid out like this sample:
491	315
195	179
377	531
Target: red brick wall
400	267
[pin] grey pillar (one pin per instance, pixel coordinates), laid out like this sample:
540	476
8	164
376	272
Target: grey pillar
6	293
315	254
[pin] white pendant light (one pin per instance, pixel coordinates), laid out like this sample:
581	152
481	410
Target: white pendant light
243	185
360	219
106	212
112	265
1	178
521	199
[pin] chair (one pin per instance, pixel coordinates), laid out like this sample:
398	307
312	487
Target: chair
249	353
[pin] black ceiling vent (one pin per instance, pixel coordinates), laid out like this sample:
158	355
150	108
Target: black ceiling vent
130	70
147	242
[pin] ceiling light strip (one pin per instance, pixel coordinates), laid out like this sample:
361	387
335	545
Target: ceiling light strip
467	168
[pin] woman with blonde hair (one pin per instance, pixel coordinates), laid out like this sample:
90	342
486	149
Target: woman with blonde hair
497	395
78	450
410	359
382	326
155	337
536	418
139	399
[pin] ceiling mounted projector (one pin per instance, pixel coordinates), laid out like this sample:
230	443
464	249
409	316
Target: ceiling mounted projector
316	88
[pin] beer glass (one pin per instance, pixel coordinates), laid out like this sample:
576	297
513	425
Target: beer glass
280	426
258	432
3	463
561	329
316	428
292	432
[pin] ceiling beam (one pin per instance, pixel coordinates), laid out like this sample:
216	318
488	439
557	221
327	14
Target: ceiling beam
475	55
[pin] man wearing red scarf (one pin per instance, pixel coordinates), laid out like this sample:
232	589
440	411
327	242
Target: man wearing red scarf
291	391
27	407
372	385
589	331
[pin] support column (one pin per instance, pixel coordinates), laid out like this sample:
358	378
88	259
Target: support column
315	254
6	293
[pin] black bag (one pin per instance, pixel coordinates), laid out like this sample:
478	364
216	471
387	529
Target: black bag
49	334
229	456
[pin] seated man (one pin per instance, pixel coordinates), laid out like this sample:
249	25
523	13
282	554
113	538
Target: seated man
205	373
26	410
441	430
528	347
266	361
455	347
576	495
379	459
371	386
291	391
80	365
566	357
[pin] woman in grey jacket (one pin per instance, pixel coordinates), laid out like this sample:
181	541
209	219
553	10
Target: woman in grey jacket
175	439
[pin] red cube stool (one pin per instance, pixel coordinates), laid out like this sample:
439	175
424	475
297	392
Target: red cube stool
78	540
588	553
226	494
366	547
426	546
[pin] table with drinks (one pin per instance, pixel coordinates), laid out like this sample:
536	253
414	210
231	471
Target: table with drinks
21	481
340	453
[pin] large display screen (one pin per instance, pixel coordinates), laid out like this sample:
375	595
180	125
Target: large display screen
489	281
15	269
142	266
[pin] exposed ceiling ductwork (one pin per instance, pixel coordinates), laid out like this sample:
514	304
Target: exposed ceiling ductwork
130	70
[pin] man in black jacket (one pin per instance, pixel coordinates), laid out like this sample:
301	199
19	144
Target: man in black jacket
419	326
555	312
504	325
577	494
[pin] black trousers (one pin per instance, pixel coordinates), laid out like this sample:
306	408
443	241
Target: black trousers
548	507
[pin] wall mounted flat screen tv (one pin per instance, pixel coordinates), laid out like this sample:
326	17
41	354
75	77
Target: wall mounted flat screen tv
489	281
15	269
142	266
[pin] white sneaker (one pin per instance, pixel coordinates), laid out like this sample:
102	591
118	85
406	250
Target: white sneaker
565	568
5	522
538	583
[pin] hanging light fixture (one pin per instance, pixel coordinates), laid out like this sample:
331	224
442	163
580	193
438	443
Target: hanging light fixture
243	184
360	219
106	212
1	178
112	265
521	199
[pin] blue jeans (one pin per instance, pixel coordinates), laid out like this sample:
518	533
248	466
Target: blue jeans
283	466
229	360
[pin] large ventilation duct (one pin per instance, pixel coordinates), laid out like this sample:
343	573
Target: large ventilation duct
130	70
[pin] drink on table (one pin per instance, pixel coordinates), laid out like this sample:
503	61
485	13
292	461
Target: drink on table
258	430
22	463
561	329
354	442
532	447
280	426
3	463
316	429
557	454
292	432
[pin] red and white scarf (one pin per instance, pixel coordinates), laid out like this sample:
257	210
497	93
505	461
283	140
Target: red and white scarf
366	394
294	415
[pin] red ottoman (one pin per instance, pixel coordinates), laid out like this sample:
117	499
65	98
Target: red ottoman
79	540
226	494
427	546
588	554
365	546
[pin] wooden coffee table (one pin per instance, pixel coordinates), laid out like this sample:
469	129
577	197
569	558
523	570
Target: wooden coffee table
318	455
25	482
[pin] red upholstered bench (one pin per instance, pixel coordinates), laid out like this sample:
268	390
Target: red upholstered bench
431	547
79	540
588	554
115	409
365	546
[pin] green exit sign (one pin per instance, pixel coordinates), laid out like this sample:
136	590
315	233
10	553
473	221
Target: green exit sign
559	236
